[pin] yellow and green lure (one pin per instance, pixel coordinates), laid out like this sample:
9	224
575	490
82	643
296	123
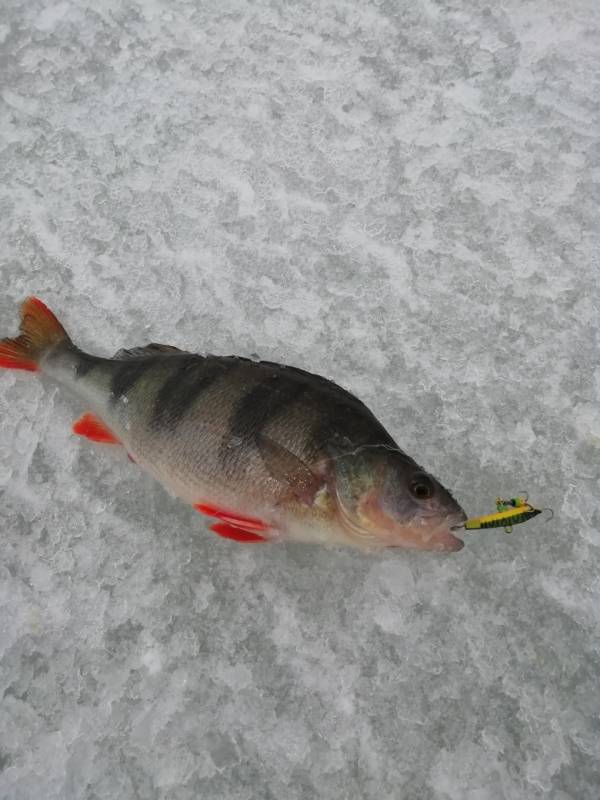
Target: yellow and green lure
508	513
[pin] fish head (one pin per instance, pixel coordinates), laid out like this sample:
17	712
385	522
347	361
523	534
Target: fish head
385	499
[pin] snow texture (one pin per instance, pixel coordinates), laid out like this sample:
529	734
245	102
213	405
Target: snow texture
402	196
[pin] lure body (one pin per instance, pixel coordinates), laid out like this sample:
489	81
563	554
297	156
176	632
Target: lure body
508	513
270	452
503	519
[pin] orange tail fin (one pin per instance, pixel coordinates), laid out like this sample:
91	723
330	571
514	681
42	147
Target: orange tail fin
39	330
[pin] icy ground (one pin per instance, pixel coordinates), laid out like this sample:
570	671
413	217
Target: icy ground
402	196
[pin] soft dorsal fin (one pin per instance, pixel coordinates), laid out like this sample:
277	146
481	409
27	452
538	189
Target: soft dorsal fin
147	350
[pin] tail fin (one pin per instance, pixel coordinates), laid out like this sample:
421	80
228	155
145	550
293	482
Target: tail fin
40	330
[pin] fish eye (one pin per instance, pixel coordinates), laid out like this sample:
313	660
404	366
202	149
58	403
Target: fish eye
421	487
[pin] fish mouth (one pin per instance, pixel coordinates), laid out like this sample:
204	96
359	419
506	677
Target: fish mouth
440	539
445	539
457	521
453	543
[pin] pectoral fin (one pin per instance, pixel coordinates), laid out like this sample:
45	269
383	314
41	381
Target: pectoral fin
284	465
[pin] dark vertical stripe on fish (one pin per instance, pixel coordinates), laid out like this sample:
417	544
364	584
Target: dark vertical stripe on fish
263	403
190	376
257	407
342	425
126	374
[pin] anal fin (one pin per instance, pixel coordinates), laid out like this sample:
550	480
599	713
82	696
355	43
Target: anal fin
91	427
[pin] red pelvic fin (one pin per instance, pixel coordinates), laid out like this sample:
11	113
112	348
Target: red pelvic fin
232	525
236	520
237	534
40	330
91	427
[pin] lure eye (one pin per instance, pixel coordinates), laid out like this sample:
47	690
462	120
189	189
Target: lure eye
421	487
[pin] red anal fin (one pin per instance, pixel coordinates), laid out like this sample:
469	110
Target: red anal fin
237	534
91	427
236	520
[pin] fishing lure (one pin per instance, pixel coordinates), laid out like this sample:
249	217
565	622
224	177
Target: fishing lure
508	513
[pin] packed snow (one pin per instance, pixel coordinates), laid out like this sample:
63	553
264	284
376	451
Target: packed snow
403	197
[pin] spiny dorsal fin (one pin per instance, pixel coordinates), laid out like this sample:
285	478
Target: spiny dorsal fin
147	350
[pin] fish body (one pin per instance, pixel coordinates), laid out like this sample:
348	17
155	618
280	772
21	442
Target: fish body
272	452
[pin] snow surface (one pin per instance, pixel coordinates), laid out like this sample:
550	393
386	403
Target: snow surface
402	196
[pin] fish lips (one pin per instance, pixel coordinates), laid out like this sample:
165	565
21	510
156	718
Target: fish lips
455	523
443	540
448	542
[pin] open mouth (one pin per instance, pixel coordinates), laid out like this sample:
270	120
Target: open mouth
441	537
457	521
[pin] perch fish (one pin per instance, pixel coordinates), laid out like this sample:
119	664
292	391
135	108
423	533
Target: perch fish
269	452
